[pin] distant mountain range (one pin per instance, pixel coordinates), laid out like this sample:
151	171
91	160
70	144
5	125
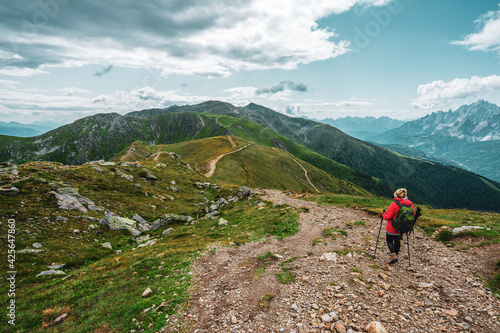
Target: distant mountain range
468	137
369	166
363	128
26	130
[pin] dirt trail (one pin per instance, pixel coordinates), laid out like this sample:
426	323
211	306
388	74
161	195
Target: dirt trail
213	162
439	294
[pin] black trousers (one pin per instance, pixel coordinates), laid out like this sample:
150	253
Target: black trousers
393	243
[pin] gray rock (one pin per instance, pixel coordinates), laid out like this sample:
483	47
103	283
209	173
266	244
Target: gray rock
30	251
60	319
120	223
147	292
221	202
9	190
166	232
107	245
328	256
37	245
456	231
138	219
326	318
165	218
68	202
51	272
174	188
61	219
296	308
222	222
125	175
97	168
107	163
55	266
142	239
243	192
150	176
279	204
202	185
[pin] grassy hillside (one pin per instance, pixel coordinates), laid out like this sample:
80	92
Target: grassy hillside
101	288
258	166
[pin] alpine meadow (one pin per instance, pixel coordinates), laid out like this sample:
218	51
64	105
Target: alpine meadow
250	166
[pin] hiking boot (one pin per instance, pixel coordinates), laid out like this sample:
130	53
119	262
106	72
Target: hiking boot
394	258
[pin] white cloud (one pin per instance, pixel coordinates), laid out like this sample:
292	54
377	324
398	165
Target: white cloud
440	93
9	83
212	38
22	71
488	36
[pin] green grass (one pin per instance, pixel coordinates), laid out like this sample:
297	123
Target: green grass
286	277
265	300
350	224
318	241
333	232
102	288
357	270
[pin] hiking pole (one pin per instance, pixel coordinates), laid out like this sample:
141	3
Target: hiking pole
408	244
376	245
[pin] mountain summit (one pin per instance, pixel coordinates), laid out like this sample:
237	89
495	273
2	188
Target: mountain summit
475	122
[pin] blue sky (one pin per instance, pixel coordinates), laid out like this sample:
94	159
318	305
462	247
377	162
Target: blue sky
65	59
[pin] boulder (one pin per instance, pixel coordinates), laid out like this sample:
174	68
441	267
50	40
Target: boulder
37	245
165	218
150	176
120	223
456	231
68	202
9	190
202	185
107	245
51	272
243	192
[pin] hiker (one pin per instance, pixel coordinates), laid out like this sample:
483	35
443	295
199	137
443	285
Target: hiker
393	237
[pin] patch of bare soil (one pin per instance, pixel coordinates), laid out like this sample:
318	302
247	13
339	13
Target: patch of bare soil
340	291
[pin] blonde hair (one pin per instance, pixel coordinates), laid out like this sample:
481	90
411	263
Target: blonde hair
401	193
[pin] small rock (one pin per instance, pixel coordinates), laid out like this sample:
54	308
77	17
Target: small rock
222	222
425	285
339	327
37	245
51	272
147	292
60	319
107	245
166	232
328	256
386	286
451	313
326	318
375	327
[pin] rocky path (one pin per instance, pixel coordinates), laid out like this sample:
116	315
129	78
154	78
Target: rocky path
338	291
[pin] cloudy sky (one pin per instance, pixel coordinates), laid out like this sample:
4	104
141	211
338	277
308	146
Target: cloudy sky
65	59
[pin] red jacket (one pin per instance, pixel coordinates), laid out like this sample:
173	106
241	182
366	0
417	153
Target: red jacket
392	212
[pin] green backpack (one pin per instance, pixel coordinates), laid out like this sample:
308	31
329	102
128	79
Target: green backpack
405	220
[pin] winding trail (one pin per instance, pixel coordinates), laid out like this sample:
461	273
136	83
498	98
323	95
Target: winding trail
305	173
213	162
233	294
